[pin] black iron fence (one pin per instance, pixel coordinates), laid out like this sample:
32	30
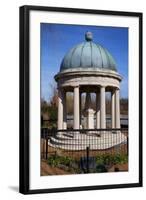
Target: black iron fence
85	150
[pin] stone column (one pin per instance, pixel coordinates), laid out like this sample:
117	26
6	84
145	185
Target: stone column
117	102
113	108
64	111
76	108
102	108
60	110
80	107
98	110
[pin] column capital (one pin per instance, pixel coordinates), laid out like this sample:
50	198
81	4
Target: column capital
102	86
114	89
117	89
76	86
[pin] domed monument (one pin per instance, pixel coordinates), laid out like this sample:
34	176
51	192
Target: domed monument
88	68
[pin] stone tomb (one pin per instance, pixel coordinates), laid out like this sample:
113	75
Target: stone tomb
88	68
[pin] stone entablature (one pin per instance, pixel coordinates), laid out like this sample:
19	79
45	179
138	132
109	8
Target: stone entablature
79	78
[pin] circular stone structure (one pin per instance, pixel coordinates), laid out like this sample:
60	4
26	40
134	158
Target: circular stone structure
88	68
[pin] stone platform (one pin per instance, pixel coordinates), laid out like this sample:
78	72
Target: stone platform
80	141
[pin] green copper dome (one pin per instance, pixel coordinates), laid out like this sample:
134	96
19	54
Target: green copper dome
88	55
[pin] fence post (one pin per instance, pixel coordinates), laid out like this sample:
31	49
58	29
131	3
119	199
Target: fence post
87	159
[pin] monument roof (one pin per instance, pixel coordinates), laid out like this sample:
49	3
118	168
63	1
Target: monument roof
88	55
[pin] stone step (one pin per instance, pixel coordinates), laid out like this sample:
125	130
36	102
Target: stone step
83	147
86	137
81	141
87	141
64	136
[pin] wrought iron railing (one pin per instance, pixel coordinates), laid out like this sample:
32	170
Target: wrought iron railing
85	146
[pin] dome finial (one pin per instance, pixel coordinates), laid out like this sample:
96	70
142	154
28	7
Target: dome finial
88	36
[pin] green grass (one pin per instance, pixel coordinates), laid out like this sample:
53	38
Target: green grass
106	159
56	160
102	162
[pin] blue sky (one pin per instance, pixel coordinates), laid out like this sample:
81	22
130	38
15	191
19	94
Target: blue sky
57	39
